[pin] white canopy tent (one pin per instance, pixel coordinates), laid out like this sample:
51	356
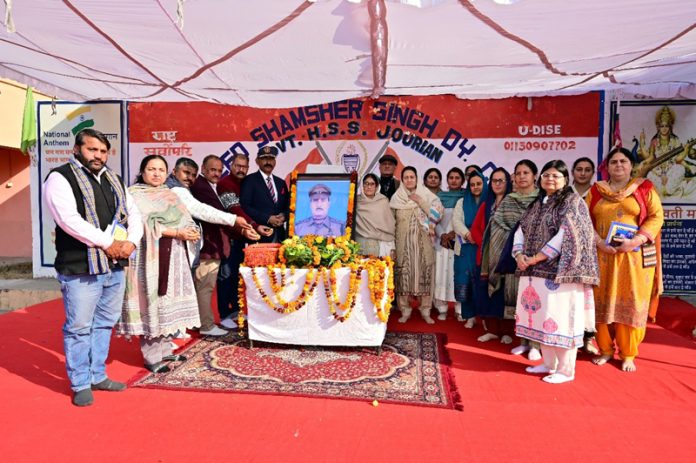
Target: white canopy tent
283	53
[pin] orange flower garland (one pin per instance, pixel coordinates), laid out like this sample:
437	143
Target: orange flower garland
331	292
293	201
377	274
241	297
279	304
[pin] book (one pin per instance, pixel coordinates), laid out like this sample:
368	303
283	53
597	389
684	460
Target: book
118	231
622	231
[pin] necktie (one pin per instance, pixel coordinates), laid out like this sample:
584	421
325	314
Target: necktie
271	190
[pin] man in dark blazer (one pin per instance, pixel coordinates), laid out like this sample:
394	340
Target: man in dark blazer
265	197
216	242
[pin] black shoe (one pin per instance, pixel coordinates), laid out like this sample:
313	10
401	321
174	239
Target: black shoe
174	358
109	385
83	398
158	368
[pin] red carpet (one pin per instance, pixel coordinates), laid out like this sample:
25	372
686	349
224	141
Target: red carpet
509	416
411	369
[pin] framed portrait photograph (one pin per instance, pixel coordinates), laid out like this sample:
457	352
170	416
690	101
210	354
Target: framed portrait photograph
322	205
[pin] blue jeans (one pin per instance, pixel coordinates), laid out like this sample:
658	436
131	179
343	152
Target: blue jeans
93	305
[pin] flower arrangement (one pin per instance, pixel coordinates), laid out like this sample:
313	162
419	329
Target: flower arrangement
318	251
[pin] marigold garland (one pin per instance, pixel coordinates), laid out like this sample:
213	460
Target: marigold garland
331	292
241	297
379	288
293	201
277	302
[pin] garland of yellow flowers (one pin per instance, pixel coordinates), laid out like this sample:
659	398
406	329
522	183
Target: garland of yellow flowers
331	292
377	271
278	303
241	297
293	200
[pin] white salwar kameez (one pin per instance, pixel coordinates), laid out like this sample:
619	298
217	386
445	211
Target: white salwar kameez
443	290
555	315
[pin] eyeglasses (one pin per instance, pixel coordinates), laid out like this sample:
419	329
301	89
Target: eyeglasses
551	176
498	180
369	184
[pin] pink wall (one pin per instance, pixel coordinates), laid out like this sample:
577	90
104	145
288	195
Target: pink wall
15	204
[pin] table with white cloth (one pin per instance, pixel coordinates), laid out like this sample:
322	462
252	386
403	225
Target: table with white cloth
313	324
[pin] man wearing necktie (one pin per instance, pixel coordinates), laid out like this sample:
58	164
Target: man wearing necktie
265	197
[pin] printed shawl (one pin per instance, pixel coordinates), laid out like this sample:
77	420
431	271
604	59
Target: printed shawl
428	214
577	262
161	209
96	258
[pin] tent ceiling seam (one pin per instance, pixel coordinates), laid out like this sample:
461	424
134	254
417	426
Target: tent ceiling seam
253	41
164	85
190	45
510	36
67	61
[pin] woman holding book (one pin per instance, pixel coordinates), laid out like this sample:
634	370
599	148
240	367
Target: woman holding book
555	255
627	216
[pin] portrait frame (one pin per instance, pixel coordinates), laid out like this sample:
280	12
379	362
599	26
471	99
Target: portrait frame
343	189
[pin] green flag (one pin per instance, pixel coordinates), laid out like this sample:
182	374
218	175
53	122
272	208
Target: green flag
28	122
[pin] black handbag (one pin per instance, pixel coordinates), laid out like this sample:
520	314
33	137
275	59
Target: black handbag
507	263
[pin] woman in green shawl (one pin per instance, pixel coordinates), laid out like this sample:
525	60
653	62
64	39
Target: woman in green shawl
160	297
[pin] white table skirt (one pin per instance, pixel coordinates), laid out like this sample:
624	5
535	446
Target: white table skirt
313	324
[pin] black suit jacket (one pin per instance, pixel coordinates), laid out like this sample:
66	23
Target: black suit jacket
256	201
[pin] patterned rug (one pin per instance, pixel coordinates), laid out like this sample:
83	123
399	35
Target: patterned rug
412	369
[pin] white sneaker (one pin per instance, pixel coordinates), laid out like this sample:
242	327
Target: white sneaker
519	350
214	331
228	323
534	355
539	369
557	378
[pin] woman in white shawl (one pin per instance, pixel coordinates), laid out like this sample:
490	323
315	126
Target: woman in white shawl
416	211
374	221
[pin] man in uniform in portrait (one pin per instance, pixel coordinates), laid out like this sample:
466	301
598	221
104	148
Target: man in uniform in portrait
320	223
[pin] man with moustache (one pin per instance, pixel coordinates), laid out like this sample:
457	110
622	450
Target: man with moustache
265	197
97	228
229	190
388	184
320	223
216	242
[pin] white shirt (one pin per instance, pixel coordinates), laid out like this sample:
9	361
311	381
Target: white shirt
59	199
202	211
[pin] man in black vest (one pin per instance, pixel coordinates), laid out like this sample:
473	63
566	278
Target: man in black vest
97	229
